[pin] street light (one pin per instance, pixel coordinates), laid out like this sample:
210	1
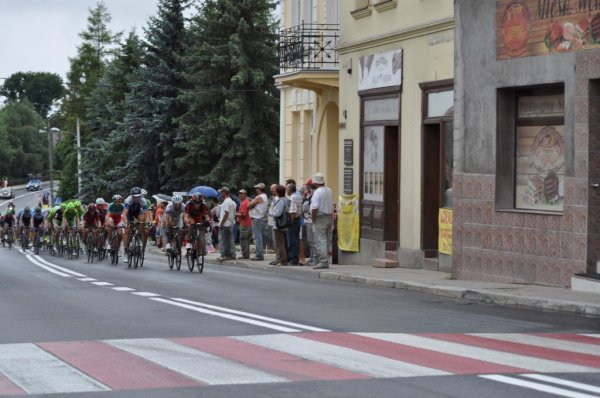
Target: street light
50	132
78	142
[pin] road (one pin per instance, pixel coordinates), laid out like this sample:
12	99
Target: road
71	328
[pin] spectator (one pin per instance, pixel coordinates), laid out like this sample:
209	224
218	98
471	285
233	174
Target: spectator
293	232
278	207
321	208
245	224
258	213
307	230
158	223
226	221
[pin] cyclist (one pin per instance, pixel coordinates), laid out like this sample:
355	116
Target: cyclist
196	212
174	219
54	217
135	210
102	207
9	222
71	215
39	221
113	218
24	219
91	219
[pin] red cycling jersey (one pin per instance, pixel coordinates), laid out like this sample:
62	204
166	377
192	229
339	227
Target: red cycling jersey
198	211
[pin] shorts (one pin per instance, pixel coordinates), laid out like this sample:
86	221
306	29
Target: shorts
116	218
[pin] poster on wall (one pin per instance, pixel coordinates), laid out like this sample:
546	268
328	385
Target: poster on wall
348	223
538	27
373	163
445	231
380	70
540	168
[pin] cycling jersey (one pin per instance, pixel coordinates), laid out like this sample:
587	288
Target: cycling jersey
38	220
175	214
26	218
197	212
102	214
70	214
134	209
116	208
91	218
9	221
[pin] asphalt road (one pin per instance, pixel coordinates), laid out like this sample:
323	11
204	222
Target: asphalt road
71	328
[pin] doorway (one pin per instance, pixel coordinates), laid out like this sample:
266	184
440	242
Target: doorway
391	183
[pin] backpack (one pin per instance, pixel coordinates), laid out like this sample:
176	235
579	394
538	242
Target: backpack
284	221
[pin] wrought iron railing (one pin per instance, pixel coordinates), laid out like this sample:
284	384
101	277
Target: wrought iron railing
309	47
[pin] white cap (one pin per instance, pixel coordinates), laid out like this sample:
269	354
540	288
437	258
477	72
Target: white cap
319	178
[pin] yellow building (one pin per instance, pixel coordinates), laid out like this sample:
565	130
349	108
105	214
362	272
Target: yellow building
396	126
308	81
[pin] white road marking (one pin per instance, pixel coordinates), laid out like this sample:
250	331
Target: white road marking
228	316
596	336
543	342
87	279
515	360
146	294
537	386
341	357
123	289
103	284
193	363
250	315
37	372
49	269
566	383
68	271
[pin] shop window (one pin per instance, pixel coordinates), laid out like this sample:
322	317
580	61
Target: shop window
531	149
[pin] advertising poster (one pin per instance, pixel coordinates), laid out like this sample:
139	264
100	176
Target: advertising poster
380	70
373	163
348	223
445	231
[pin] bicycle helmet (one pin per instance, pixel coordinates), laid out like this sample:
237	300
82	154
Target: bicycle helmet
10	212
26	209
38	210
136	191
91	207
117	198
177	199
144	192
197	196
100	201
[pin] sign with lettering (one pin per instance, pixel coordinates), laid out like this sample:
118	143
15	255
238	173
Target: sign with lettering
539	27
541	106
380	70
348	152
348	226
445	231
348	180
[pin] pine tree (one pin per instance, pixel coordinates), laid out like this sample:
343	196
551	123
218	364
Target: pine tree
153	106
231	129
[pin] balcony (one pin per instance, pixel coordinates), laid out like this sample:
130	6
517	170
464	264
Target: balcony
309	47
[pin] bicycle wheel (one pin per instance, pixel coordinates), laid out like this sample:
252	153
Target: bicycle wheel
90	249
191	258
178	258
114	248
202	245
171	258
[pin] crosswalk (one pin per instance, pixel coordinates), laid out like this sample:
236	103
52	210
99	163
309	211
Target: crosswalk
524	360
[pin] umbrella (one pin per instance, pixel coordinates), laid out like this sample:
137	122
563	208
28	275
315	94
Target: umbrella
208	192
159	197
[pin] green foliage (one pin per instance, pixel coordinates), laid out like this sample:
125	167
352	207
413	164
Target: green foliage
41	89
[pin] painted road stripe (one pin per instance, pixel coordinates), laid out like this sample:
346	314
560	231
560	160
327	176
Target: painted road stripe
250	315
198	365
509	345
545	342
87	279
123	289
116	368
280	363
37	372
345	358
227	316
68	271
146	294
103	284
593	336
7	387
563	382
537	386
436	343
454	364
34	261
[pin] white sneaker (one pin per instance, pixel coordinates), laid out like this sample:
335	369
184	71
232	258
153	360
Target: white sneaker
168	246
188	246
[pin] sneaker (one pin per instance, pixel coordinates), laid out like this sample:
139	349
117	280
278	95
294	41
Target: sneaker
188	246
221	258
274	262
321	266
168	246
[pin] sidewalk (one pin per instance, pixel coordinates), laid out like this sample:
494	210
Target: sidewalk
438	283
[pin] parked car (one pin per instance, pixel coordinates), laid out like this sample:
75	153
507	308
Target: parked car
7	193
34	185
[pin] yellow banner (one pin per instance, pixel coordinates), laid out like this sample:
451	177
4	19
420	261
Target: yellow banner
445	227
348	223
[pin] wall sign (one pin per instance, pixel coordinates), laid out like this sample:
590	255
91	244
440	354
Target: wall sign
538	27
348	180
348	152
380	70
373	163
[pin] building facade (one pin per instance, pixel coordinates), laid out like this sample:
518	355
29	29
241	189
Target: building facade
309	85
526	175
396	125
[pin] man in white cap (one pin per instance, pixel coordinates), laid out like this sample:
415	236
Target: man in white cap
226	221
258	208
321	207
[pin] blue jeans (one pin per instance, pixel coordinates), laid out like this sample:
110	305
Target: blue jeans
258	228
321	230
293	241
227	247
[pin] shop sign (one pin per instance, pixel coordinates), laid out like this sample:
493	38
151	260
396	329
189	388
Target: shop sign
539	27
348	224
382	109
348	180
445	231
348	152
380	70
542	106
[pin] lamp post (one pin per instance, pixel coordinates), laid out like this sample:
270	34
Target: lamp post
50	132
78	147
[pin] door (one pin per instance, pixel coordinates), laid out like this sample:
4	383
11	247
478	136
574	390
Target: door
391	184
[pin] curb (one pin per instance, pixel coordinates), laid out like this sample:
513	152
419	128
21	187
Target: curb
473	295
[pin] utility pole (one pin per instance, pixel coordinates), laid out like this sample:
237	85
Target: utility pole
50	165
78	161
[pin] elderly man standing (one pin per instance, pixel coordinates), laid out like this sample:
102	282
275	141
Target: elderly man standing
245	224
257	208
226	221
321	207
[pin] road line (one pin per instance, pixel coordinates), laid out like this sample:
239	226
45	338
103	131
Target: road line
578	338
116	368
537	386
50	269
38	372
250	315
593	336
122	289
68	271
227	316
454	364
437	343
341	357
146	294
566	383
196	364
544	342
285	365
87	279
102	283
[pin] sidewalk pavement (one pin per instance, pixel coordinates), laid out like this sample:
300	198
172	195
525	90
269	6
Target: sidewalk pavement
437	283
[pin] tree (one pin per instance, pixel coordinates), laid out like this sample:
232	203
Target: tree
96	50
230	131
152	107
41	89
